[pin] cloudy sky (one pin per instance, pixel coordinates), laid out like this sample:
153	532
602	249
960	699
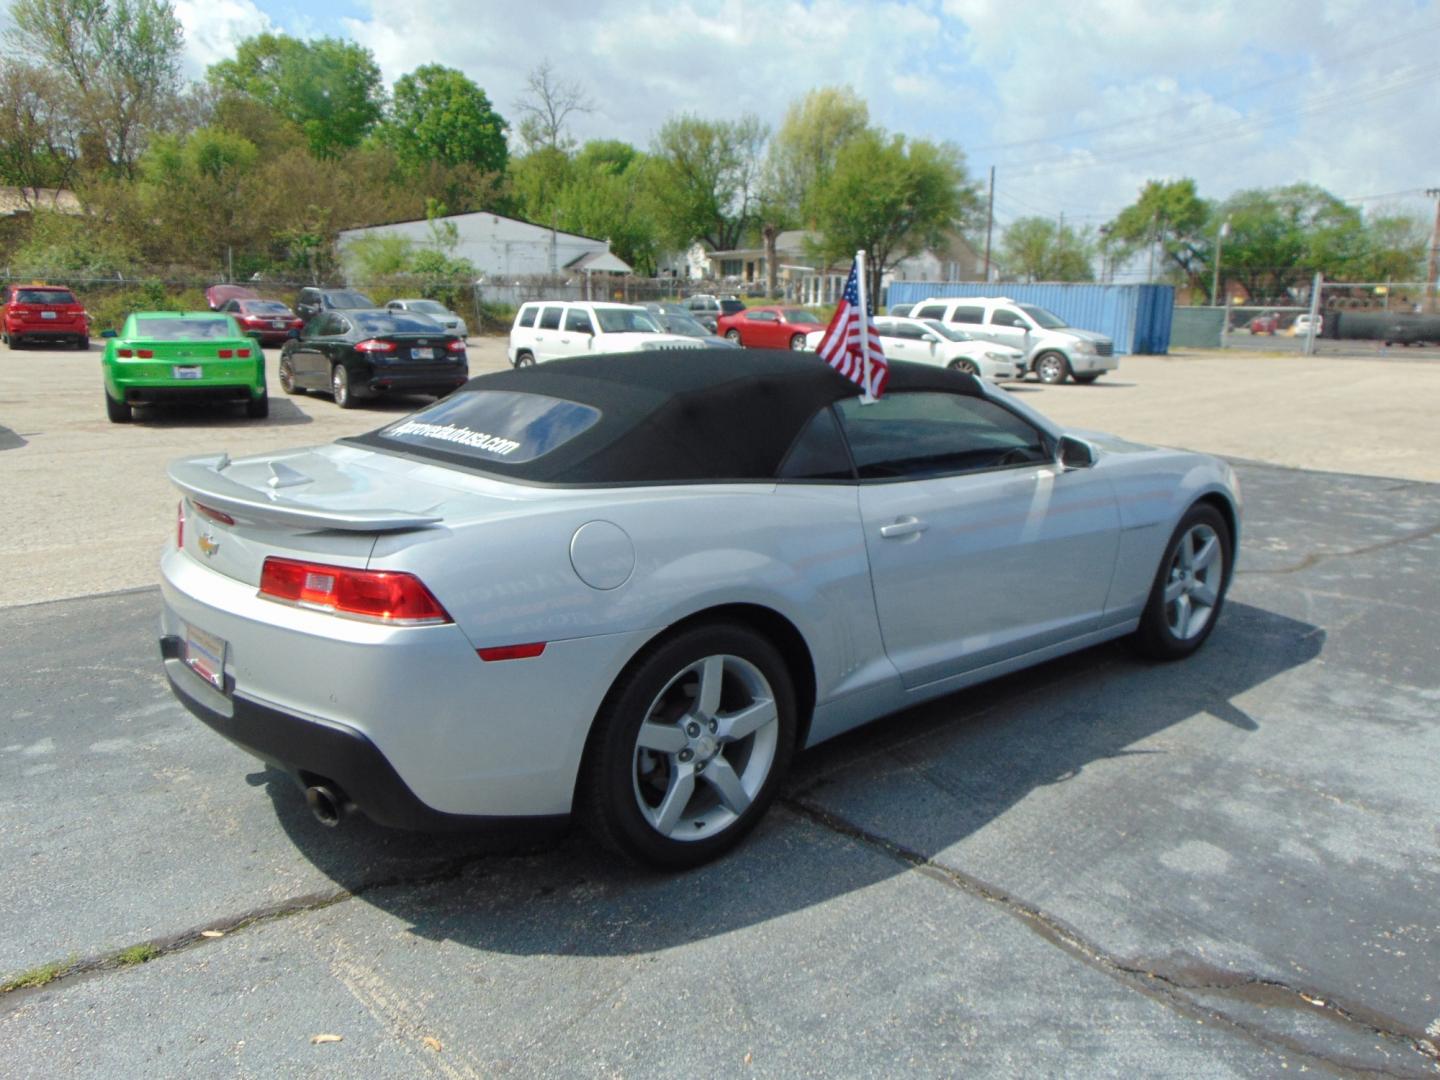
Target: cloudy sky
1076	104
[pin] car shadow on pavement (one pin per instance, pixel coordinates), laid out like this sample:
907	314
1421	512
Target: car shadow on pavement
283	413
931	777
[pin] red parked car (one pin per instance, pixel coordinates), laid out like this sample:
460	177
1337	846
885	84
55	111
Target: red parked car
1267	323
217	296
769	327
267	321
43	313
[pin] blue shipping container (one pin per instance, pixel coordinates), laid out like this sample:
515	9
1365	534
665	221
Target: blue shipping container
1137	317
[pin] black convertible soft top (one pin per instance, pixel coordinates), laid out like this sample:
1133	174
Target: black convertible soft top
670	416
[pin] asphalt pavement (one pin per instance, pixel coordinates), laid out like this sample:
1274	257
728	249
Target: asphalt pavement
1222	867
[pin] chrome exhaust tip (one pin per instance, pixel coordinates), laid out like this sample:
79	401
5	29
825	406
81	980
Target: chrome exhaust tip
326	804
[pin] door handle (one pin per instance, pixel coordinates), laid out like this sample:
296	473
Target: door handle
903	527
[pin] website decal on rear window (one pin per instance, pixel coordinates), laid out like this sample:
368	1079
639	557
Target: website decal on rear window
494	425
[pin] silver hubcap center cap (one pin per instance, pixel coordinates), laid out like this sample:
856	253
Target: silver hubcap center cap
705	747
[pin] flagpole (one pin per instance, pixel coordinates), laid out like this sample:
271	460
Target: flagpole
865	398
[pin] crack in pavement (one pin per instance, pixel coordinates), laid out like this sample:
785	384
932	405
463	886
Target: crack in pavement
1172	988
1320	556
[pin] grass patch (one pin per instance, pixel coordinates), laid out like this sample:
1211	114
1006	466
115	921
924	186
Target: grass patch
136	954
37	976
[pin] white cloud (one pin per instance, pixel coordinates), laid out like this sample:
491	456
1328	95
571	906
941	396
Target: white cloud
1102	95
214	27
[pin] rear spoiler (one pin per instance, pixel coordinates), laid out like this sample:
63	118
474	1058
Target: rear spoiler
202	479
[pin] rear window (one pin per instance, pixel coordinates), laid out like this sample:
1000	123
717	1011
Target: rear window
44	296
396	322
182	329
264	307
494	425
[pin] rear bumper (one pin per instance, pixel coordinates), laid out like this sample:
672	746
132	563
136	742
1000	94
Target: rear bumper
429	383
47	333
314	751
161	395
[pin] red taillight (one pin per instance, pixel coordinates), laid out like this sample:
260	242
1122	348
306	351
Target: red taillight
387	595
226	354
124	354
213	514
456	346
242	354
375	345
19	311
253	320
145	354
180	525
512	652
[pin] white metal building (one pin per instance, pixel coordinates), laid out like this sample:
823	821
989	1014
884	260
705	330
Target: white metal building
503	248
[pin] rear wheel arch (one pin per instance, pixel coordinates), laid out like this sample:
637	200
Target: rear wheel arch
769	624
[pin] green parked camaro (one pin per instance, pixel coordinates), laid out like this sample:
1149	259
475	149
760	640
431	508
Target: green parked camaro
180	356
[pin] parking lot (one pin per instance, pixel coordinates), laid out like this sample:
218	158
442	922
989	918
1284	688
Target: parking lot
1100	866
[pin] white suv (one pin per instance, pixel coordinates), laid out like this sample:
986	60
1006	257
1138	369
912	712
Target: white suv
553	329
1053	350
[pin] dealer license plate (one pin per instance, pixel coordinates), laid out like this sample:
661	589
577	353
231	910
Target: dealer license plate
205	653
47	314
422	354
190	372
276	324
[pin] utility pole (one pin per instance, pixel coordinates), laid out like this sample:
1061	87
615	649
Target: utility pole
989	223
1432	271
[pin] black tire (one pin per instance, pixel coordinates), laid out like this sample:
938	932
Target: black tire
797	342
9	343
1051	368
524	358
257	408
340	387
1156	636
1086	379
118	411
966	366
733	335
287	377
625	787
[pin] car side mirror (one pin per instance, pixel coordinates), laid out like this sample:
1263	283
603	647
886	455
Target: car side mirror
930	339
1075	453
107	333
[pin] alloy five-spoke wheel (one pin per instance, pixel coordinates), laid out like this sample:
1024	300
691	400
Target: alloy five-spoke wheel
1051	368
705	748
340	387
1189	587
690	747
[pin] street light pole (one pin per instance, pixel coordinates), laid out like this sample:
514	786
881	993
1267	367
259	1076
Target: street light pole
1219	247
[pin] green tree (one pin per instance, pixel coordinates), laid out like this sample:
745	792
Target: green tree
1172	216
198	198
1038	249
804	150
121	58
330	89
438	115
1393	249
892	198
535	181
705	182
63	247
607	197
39	132
1279	237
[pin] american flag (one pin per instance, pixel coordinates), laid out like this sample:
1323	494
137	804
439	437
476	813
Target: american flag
840	345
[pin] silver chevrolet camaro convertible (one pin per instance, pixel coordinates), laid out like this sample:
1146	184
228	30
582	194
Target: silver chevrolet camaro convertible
627	589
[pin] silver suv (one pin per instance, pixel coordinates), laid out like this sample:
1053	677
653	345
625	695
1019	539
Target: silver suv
1053	350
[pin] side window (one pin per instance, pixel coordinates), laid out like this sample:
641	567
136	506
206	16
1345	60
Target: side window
527	316
929	311
912	435
973	315
338	325
1002	317
819	452
314	328
578	321
909	331
761	316
550	319
230	305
